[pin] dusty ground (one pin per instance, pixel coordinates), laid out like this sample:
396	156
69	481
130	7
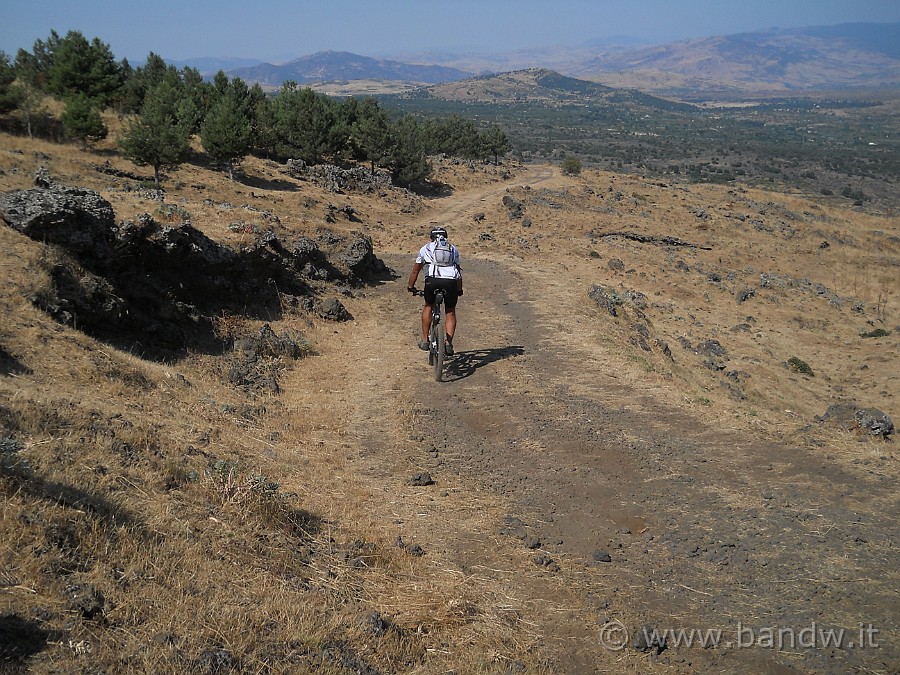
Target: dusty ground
708	523
592	474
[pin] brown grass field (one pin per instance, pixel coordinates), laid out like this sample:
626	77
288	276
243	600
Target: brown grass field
156	518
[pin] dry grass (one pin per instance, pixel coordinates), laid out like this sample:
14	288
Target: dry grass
206	517
213	518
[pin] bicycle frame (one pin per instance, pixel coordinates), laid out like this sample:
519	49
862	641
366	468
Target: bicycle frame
436	334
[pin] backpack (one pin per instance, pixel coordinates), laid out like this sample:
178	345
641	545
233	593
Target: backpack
443	254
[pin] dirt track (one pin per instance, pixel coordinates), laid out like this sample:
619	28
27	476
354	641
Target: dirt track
704	528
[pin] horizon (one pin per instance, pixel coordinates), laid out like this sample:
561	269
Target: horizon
203	29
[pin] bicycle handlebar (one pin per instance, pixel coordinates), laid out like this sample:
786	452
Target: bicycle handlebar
415	291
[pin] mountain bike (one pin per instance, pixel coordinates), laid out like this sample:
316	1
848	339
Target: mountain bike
437	334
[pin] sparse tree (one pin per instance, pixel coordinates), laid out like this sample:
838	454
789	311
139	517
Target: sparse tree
571	166
141	80
82	67
371	134
226	132
305	125
28	85
81	120
199	92
160	137
264	140
8	95
494	142
409	162
220	83
44	52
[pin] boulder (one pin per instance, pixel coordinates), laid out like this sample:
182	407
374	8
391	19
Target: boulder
77	219
853	418
333	310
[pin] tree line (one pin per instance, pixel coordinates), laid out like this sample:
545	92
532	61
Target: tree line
163	108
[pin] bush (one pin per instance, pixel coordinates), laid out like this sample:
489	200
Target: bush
799	366
571	166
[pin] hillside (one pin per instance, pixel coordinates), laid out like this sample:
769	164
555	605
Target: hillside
669	408
854	56
329	66
844	56
542	87
860	55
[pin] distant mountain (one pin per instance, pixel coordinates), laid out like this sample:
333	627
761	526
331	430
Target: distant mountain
860	55
543	86
332	66
209	66
779	60
847	55
881	38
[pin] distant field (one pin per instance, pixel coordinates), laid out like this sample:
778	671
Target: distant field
839	145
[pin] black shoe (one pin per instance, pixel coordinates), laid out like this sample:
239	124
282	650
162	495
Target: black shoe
423	346
448	349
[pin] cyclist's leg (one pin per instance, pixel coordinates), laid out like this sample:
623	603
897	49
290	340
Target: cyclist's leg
426	321
451	295
451	323
426	310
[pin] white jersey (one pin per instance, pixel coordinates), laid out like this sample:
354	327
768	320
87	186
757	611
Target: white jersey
426	256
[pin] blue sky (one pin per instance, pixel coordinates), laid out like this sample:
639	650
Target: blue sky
279	30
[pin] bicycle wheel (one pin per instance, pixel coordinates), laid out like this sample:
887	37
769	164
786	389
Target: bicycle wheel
439	339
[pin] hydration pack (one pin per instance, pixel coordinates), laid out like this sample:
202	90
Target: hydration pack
443	254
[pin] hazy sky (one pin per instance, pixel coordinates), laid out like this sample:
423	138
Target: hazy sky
279	30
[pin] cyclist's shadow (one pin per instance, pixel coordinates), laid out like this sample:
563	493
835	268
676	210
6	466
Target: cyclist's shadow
463	364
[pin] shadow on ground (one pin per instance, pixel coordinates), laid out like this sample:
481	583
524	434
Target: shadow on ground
464	364
267	184
20	639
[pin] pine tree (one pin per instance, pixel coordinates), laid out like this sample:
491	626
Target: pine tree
305	125
141	80
409	163
226	132
200	93
82	67
8	95
371	134
44	52
264	139
81	120
494	142
159	137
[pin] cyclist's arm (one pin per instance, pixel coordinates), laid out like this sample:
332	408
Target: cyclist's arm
414	275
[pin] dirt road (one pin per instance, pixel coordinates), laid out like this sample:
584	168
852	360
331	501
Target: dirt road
626	511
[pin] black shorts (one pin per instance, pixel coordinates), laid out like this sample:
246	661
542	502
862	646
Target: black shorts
449	286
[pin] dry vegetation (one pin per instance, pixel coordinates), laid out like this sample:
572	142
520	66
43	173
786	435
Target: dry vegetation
158	519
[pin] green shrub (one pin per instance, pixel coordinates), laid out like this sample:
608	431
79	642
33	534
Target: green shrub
571	166
799	366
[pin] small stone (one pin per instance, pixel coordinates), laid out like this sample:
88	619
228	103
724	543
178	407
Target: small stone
421	479
646	639
601	556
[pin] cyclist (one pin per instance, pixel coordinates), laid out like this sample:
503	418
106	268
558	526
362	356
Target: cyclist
442	259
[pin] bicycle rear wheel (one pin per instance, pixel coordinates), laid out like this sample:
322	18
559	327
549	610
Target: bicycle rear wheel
439	339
